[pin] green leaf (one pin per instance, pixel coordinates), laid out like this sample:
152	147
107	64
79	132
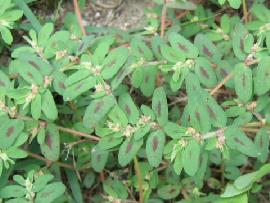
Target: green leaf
148	82
205	72
51	146
235	3
172	54
185	5
118	116
113	62
238	41
12	191
154	147
109	141
44	34
262	144
48	106
207	48
41	182
140	49
262	76
97	110
36	107
75	90
74	185
98	158
169	191
160	106
50	193
128	106
189	50
190	157
174	130
6	35
243	82
236	139
128	151
9	132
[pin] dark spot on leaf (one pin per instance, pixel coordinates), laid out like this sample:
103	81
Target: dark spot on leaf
159	108
34	64
79	86
46	194
223	72
172	190
98	157
81	46
129	147
155	143
244	80
198	116
30	75
266	74
242	44
183	47
211	112
190	154
238	141
112	63
146	79
127	109
48	140
10	131
98	106
141	51
261	142
2	84
62	85
204	72
207	52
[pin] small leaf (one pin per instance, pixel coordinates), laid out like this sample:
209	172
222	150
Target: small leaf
51	146
185	45
160	106
98	158
50	193
128	106
174	130
12	191
238	140
10	132
262	144
172	54
190	157
148	83
109	142
169	191
262	76
154	147
128	151
113	62
36	107
48	106
205	73
243	82
97	110
6	34
75	90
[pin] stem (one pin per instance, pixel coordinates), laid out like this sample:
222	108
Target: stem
139	177
223	82
36	156
163	19
78	133
79	16
245	11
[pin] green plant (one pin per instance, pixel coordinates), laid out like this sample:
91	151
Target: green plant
189	108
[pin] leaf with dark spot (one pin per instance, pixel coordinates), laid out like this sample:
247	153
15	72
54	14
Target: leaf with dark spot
236	139
97	110
130	109
154	147
262	76
160	106
9	132
32	63
262	144
128	151
99	158
191	157
51	147
168	192
243	82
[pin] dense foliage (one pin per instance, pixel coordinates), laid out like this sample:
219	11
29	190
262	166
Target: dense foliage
115	116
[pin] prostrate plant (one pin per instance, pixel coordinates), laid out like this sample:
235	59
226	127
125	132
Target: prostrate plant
137	97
